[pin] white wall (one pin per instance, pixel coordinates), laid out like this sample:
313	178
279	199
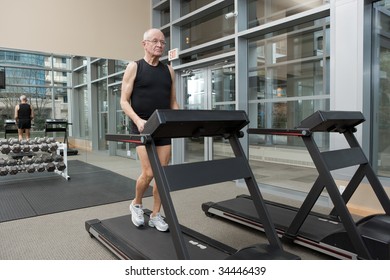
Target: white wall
346	81
96	28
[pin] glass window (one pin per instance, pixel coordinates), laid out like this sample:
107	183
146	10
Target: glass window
161	13
264	11
381	88
78	61
120	65
42	78
101	68
102	96
80	76
223	81
168	43
288	77
206	29
81	95
201	54
188	6
165	16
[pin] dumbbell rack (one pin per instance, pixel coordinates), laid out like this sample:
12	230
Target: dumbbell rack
38	155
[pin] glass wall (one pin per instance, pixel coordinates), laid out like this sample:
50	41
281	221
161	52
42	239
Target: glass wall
81	98
288	79
381	88
207	28
102	104
42	77
264	11
188	6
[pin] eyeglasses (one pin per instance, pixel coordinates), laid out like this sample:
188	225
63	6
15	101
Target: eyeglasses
155	42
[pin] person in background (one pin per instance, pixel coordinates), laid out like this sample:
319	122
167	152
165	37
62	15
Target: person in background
24	114
148	85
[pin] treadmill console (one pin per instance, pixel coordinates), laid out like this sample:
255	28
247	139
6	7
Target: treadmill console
169	123
332	121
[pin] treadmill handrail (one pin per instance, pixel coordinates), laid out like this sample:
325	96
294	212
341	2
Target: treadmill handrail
279	131
129	138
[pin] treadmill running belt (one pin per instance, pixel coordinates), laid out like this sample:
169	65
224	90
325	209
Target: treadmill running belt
315	227
149	243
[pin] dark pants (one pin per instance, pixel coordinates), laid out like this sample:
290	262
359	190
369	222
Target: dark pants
24	124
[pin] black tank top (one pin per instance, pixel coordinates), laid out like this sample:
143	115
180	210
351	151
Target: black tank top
152	89
24	112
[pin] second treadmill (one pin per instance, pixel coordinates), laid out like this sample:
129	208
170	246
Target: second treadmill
335	234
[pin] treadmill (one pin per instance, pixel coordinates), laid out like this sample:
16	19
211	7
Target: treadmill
336	233
126	241
60	125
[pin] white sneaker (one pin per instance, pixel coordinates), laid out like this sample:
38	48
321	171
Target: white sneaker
158	222
137	214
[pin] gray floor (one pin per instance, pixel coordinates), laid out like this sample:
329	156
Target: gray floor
62	236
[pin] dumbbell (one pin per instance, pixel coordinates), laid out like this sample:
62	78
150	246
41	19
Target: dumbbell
11	162
3	171
37	159
13	141
27	160
50	140
13	170
50	167
34	148
53	147
21	168
15	148
47	158
58	158
5	149
2	162
60	166
30	168
39	167
25	148
44	147
43	157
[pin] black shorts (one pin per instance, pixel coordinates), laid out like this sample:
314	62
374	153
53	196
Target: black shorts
24	124
157	142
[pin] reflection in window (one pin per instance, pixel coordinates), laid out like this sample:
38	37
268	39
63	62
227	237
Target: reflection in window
206	29
81	94
381	88
43	78
202	54
102	96
188	6
223	81
165	16
120	65
288	77
264	11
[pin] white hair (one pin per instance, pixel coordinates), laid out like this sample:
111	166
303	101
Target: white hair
147	33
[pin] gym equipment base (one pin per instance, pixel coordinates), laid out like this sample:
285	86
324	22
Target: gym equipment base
319	232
